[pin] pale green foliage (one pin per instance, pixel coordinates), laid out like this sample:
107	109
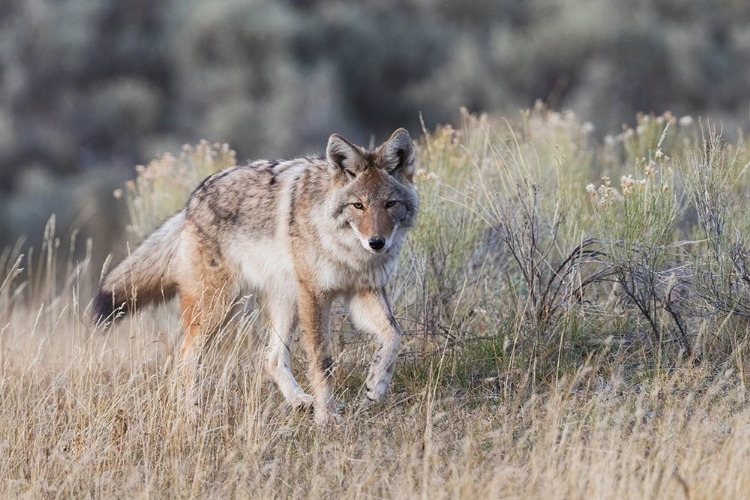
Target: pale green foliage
637	227
715	176
441	255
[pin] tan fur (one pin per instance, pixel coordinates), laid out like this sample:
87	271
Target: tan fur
302	233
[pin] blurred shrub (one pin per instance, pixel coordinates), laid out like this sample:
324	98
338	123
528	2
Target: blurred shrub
87	84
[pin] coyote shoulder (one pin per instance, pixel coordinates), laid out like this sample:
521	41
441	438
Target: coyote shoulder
300	233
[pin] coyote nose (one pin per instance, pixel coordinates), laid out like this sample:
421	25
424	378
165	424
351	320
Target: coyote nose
377	243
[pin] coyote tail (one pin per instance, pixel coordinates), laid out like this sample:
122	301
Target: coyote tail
146	276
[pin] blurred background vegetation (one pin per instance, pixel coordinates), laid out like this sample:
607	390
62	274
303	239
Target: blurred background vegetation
91	88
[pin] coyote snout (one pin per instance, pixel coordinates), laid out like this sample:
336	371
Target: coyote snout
376	244
302	233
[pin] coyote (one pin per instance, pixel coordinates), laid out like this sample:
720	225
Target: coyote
300	233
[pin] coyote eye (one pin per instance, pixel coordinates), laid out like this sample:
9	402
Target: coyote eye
350	173
358	206
391	203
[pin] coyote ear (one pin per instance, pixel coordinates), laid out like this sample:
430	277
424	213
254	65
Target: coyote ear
398	155
343	158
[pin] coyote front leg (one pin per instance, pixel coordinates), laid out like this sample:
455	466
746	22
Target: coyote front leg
283	316
371	312
315	320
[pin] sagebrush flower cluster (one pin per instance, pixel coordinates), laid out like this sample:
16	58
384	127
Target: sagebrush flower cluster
604	195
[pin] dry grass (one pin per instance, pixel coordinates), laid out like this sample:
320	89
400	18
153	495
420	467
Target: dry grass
496	395
80	419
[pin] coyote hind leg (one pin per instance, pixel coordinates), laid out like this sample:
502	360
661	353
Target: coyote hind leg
202	315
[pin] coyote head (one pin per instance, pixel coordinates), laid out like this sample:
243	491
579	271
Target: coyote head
374	190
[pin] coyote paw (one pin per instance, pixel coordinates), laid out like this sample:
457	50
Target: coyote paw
324	418
301	401
363	406
377	393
